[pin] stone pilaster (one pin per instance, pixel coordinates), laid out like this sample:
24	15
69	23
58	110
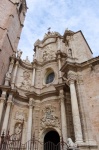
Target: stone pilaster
75	109
59	63
63	117
7	114
15	74
33	77
2	102
86	123
30	116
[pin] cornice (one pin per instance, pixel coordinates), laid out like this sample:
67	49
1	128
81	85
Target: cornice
41	64
14	92
26	65
42	96
79	66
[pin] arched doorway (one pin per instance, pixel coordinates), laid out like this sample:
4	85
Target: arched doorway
51	141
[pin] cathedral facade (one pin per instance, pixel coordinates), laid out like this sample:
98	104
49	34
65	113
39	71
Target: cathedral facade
55	96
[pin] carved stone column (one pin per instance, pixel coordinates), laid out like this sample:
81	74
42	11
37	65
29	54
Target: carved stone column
59	62
86	124
63	117
2	102
7	114
75	110
15	74
33	76
30	116
59	43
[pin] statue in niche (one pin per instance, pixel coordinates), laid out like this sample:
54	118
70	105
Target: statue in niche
18	128
49	119
70	52
26	83
45	56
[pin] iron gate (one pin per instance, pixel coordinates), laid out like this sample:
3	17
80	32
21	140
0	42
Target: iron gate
13	142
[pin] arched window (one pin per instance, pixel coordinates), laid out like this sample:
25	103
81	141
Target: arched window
50	78
70	52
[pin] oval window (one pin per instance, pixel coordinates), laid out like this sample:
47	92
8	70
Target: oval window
50	78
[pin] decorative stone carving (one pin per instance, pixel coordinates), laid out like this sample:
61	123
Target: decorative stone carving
49	119
70	52
18	128
26	60
20	115
8	75
19	53
71	144
51	34
48	54
72	76
26	83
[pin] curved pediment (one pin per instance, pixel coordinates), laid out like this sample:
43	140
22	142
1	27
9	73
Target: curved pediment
49	38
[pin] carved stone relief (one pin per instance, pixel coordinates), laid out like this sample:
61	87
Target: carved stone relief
48	54
49	118
18	128
20	115
26	82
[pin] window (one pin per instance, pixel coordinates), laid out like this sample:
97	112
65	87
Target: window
50	78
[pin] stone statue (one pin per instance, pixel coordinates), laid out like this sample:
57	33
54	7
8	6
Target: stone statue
19	53
45	56
26	60
71	144
26	82
70	52
18	128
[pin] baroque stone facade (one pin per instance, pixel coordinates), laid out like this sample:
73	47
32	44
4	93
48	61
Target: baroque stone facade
58	91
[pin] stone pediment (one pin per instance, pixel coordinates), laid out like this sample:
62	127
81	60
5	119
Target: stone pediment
49	38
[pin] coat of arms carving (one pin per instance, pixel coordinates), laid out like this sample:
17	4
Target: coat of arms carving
49	118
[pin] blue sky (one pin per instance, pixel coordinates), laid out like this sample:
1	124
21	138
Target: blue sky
60	14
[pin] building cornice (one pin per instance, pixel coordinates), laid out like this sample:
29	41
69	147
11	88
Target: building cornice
75	66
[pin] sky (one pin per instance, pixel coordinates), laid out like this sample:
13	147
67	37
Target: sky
59	15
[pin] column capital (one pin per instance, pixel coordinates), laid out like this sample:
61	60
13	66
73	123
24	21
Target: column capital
72	76
31	102
9	102
12	60
2	99
17	62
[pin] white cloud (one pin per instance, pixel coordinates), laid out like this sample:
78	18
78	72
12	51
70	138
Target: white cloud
60	14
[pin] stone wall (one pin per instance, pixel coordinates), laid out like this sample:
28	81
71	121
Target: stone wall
91	84
10	30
